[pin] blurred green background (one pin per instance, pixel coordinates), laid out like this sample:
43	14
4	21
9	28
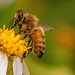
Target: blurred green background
59	57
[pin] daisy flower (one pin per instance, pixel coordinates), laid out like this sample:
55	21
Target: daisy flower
12	47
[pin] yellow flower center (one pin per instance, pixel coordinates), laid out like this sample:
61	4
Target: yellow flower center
12	44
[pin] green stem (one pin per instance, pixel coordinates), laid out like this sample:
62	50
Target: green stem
10	66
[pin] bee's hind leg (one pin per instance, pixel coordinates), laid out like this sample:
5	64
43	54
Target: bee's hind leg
25	36
30	42
25	54
29	50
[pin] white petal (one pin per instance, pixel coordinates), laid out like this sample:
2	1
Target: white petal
3	63
25	69
17	66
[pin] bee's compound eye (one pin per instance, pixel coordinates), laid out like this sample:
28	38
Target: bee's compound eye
20	15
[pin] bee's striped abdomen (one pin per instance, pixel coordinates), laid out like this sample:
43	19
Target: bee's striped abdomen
38	41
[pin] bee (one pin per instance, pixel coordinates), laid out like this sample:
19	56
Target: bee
33	29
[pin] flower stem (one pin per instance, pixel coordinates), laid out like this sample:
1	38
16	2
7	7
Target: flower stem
10	66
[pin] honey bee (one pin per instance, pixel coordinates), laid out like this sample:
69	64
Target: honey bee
33	29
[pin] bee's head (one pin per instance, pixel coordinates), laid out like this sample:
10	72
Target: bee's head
18	16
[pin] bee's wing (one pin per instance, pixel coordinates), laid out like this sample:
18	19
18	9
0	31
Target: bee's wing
45	26
11	24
